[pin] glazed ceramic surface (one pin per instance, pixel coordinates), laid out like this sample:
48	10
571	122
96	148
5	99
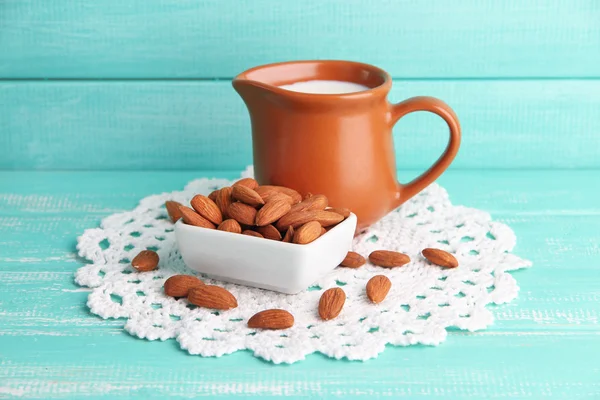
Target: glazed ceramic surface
337	144
263	263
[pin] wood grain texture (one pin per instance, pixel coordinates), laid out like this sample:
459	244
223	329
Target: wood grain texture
545	344
220	38
194	125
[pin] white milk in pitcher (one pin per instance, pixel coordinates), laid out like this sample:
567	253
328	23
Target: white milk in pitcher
325	87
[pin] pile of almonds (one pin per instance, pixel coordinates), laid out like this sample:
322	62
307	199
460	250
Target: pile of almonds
331	302
270	212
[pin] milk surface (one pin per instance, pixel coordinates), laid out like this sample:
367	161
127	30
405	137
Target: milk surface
325	87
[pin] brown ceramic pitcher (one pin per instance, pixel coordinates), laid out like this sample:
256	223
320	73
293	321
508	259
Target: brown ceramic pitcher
339	145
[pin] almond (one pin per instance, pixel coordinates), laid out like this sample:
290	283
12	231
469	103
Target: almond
213	195
230	225
269	232
353	260
316	202
271	212
307	232
224	201
248	182
440	257
207	208
344	212
378	287
249	232
274	196
267	191
323	231
173	210
271	319
388	259
325	218
285	190
191	217
246	195
210	296
180	285
146	260
242	213
289	235
331	303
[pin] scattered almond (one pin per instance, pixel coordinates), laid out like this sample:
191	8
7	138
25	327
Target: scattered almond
271	212
378	288
180	285
230	225
248	182
344	212
173	210
249	232
207	209
353	260
331	303
271	319
289	235
307	232
246	195
191	217
388	259
316	202
210	296
440	257
269	232
224	201
146	260
242	213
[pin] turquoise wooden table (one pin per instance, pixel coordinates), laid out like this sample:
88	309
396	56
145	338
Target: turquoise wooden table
103	103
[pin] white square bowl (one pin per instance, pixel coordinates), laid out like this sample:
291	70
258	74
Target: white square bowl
263	263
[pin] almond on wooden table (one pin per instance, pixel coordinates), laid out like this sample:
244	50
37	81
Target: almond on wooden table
207	208
440	257
230	225
307	232
269	232
353	260
378	288
210	296
271	319
224	200
242	213
248	182
146	260
191	217
271	212
289	235
173	210
249	232
331	303
180	285
246	195
388	259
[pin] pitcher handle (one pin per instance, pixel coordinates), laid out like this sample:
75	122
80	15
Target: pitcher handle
436	106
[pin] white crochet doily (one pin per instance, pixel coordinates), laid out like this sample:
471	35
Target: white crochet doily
423	302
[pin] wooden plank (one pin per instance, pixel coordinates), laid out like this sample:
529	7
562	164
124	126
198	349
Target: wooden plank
206	39
544	344
204	125
468	366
